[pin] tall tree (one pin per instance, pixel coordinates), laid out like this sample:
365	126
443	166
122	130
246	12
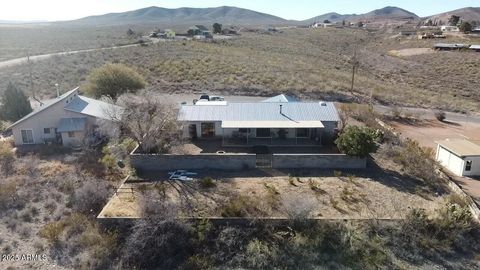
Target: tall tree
217	28
15	104
453	21
465	27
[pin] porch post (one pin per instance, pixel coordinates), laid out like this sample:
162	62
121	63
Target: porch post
223	137
296	136
248	134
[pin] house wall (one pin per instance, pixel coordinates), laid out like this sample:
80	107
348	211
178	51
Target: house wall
320	161
450	161
76	140
192	162
48	118
475	171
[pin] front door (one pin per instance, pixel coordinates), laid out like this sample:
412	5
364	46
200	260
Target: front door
192	131
208	130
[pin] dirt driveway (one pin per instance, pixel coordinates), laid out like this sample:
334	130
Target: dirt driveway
427	132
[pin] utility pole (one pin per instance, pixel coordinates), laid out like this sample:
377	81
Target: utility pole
354	69
32	90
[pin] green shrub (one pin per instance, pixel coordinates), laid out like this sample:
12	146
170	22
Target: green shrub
52	231
207	182
356	141
113	80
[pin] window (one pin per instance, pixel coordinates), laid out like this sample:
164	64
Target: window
71	134
27	136
468	165
263	133
302	133
208	130
46	130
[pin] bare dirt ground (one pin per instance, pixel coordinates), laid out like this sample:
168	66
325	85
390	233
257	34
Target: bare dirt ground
380	195
410	52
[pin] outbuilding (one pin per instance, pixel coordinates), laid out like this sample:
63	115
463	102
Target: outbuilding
461	157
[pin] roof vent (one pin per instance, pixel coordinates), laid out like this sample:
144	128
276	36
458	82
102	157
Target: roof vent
323	103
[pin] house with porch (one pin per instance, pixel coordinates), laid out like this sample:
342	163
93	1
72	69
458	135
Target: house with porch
68	120
262	123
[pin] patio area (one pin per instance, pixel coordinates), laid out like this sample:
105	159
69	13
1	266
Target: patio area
209	146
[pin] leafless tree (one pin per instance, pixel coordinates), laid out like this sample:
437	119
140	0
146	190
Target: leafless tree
151	122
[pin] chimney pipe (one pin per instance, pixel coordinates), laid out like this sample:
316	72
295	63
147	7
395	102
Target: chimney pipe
281	109
58	92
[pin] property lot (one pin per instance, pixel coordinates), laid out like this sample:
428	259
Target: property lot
271	193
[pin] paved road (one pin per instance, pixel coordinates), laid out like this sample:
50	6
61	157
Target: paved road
21	60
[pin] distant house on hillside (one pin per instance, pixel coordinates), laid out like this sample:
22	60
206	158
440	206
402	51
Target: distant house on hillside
199	30
321	25
66	120
450	47
448	28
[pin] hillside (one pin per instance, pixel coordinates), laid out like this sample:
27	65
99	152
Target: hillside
183	16
386	13
466	14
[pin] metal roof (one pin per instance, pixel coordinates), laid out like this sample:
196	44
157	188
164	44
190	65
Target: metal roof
272	124
45	106
95	108
460	147
296	111
72	124
281	98
451	45
475	47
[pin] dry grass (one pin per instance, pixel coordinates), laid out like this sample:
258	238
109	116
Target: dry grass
309	63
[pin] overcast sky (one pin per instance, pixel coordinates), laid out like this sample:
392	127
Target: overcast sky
299	9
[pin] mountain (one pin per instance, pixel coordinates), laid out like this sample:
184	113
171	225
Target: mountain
466	14
383	14
183	16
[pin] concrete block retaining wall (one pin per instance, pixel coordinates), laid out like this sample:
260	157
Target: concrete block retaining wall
143	162
320	161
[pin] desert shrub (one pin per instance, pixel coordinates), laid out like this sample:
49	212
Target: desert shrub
239	206
356	141
7	159
157	208
157	244
14	104
108	160
90	197
8	193
113	80
198	262
298	207
259	255
207	182
52	231
440	115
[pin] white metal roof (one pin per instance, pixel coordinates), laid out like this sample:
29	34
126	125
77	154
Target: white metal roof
475	47
461	147
272	124
72	124
95	108
281	98
259	111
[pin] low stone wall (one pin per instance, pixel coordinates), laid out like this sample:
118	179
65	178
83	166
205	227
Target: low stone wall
319	161
142	162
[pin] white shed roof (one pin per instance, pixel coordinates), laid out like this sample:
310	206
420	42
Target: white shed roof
272	124
460	147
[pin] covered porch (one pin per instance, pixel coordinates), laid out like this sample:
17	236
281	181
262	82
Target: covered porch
272	133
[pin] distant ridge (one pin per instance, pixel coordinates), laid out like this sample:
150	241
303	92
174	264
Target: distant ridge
466	14
183	16
386	13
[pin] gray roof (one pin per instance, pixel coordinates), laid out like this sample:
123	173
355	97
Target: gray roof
450	45
296	111
95	108
45	106
72	124
201	27
281	98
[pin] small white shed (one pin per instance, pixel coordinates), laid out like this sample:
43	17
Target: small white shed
462	157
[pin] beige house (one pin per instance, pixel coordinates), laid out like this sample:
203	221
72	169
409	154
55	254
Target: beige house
461	157
66	120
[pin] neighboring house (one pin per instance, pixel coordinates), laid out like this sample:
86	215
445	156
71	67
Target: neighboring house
167	33
461	157
450	47
262	123
322	25
65	120
200	30
448	28
475	48
229	31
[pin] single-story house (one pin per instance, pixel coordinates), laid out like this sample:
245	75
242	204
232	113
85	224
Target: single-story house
199	30
448	28
262	123
461	157
450	46
66	120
